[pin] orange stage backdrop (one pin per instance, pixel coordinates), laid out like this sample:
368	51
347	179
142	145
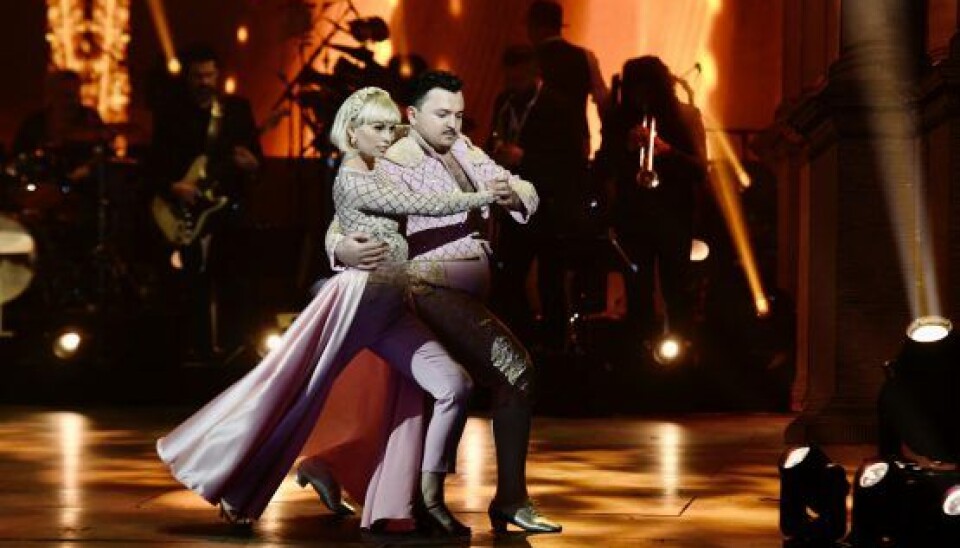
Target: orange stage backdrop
738	42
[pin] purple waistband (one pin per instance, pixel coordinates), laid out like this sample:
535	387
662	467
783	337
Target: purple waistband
432	238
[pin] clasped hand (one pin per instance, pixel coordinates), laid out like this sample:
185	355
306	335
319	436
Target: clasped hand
639	136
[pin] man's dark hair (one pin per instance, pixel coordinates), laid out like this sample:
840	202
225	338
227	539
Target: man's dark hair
545	14
433	79
519	55
198	53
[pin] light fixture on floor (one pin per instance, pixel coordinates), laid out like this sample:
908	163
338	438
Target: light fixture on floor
879	502
918	405
929	329
669	349
67	343
271	338
699	251
949	512
813	493
269	341
951	502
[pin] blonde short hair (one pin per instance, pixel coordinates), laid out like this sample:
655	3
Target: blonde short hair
365	106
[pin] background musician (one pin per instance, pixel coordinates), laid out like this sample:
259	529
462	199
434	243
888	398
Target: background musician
194	120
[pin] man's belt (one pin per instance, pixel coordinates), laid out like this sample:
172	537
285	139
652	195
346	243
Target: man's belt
432	238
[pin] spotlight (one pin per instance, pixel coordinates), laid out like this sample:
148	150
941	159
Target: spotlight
879	503
951	502
67	344
918	406
269	341
813	493
951	515
930	508
668	350
929	329
699	251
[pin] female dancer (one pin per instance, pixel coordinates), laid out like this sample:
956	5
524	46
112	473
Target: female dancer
236	450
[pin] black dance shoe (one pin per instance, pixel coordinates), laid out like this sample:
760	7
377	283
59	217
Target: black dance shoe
326	487
525	516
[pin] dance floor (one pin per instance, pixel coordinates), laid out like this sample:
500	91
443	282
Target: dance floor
91	478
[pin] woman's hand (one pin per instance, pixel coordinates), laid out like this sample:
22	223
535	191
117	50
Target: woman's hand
359	250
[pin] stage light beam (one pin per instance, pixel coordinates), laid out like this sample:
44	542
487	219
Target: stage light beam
728	200
893	122
159	17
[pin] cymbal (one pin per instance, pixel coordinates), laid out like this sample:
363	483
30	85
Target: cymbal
15	278
17	253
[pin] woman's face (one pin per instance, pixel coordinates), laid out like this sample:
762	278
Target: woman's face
373	138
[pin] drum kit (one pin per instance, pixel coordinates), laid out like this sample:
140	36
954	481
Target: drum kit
55	232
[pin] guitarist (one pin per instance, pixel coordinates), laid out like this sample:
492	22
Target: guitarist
203	141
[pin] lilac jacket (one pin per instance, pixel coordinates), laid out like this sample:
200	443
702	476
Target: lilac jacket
407	164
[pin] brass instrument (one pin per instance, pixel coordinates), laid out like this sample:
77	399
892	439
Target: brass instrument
646	176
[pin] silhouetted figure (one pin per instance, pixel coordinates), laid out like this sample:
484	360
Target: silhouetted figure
197	121
655	225
569	69
536	135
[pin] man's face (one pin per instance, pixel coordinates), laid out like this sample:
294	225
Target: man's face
202	81
439	118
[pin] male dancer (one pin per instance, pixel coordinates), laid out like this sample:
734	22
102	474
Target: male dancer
435	157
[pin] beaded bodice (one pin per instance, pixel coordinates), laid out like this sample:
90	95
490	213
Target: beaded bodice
366	201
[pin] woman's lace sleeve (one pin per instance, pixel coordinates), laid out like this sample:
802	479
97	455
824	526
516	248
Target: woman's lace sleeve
374	193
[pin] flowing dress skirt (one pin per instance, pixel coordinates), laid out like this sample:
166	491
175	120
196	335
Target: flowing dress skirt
317	393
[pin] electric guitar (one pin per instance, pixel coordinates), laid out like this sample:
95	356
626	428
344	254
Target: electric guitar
182	223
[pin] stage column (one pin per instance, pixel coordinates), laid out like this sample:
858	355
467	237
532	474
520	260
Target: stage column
941	126
853	305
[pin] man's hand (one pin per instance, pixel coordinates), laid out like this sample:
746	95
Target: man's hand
639	136
359	250
244	159
508	155
504	193
185	191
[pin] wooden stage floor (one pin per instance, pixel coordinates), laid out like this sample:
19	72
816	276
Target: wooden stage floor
91	478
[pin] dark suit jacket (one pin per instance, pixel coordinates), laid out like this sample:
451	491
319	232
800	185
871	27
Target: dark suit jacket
552	159
180	135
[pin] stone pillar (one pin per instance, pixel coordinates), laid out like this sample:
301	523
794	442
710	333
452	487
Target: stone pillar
853	305
941	126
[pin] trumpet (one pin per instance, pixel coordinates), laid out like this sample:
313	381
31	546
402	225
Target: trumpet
646	176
